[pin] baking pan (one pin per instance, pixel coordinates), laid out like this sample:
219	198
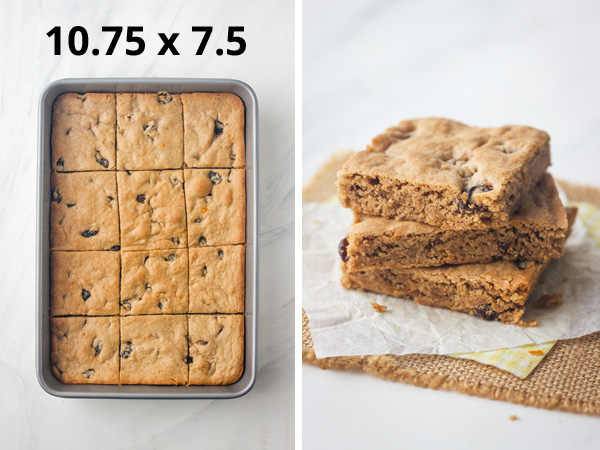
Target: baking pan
173	85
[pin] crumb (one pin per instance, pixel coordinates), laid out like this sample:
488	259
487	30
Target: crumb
548	301
536	352
317	221
379	308
513	417
531	323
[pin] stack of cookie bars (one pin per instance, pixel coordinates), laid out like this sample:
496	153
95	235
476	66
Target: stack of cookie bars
147	238
452	216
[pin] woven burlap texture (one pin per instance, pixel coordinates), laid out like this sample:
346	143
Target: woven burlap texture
567	379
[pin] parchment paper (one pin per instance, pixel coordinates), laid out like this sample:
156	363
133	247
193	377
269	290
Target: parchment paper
343	322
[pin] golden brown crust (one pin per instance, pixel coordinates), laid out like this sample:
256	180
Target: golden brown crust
84	283
214	130
83	132
149	131
85	350
216	349
84	211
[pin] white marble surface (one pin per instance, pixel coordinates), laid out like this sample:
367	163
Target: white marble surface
30	418
367	65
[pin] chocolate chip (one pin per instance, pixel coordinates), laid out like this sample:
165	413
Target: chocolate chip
68	131
342	249
160	305
97	348
148	287
220	254
198	220
164	97
220	330
126	305
100	160
55	196
115	248
141	198
232	155
214	177
485	312
127	350
70	205
82	98
61	162
88	373
202	342
230	176
146	259
110	198
524	264
171	257
89	233
189	360
175	240
479	187
85	294
202	241
203	271
374	181
218	128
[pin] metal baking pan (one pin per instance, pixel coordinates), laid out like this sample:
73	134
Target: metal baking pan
174	85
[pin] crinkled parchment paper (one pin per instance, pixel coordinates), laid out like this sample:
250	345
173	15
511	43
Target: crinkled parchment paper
343	322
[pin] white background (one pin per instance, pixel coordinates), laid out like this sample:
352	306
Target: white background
30	418
368	65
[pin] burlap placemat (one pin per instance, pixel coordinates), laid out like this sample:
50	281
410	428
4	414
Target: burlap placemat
567	379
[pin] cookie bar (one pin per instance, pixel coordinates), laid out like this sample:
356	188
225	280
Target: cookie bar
535	233
154	282
154	350
83	132
149	131
216	206
494	291
217	279
216	346
85	350
214	130
84	283
444	173
152	210
83	211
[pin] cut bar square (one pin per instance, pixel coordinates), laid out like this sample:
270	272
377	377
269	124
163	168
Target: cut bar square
149	131
84	283
216	346
216	206
536	232
83	132
85	350
214	130
154	350
217	279
445	173
154	282
494	291
152	210
83	211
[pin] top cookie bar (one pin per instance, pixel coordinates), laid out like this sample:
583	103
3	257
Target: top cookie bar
445	173
214	130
